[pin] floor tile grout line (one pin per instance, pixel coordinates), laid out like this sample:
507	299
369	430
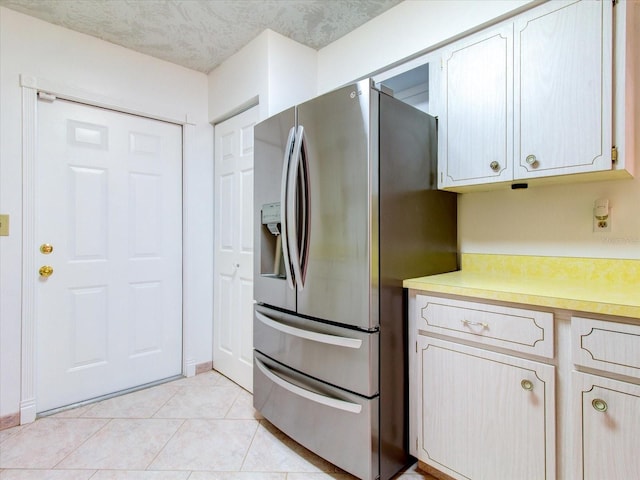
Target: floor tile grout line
235	399
146	469
253	437
175	392
55	467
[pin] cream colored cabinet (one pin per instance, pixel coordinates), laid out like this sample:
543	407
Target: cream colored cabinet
531	97
477	413
607	426
563	89
606	411
475	123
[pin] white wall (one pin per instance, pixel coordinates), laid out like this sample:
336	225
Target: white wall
551	220
101	70
271	68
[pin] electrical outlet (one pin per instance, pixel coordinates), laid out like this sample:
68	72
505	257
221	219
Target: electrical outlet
602	225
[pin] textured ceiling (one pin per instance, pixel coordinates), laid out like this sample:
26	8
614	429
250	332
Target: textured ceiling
201	34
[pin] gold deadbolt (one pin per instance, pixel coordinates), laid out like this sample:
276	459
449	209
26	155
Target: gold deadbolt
46	248
46	271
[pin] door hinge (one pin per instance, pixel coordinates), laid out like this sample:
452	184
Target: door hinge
416	347
46	96
614	154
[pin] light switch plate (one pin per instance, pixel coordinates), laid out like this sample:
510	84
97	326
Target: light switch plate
4	225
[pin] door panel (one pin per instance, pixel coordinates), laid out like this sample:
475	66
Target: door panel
607	423
233	269
271	135
563	89
342	185
109	200
476	132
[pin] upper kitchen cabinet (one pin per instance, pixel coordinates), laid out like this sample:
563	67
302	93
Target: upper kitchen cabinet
539	95
563	89
475	140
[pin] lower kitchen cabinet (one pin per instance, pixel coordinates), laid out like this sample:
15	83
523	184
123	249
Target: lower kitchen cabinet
607	426
481	414
606	411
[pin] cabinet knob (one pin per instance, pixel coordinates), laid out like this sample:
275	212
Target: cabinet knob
527	385
532	161
495	166
600	405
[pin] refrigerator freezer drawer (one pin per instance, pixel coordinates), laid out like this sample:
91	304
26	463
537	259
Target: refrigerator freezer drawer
339	426
340	356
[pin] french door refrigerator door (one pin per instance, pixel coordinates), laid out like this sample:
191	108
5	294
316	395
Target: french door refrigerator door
340	274
273	140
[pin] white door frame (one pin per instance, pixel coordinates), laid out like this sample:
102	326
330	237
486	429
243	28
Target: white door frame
30	87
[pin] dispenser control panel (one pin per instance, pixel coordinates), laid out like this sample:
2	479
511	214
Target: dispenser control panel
271	213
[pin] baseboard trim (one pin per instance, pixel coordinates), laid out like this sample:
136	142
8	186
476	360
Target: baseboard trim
428	469
204	367
9	421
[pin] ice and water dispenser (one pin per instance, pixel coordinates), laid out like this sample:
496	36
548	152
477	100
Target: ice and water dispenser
272	263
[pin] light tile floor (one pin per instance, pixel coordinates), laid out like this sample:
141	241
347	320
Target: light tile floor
198	428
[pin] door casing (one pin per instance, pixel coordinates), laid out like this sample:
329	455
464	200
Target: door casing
30	86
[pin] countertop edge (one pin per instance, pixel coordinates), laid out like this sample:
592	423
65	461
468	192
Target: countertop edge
522	296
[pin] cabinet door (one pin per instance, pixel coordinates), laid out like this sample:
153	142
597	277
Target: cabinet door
607	428
475	125
484	415
563	93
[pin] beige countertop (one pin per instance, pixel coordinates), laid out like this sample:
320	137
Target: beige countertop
606	286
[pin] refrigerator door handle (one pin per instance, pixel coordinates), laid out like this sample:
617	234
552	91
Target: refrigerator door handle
309	395
292	209
286	164
309	335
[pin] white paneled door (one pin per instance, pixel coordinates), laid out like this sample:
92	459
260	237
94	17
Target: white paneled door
109	212
233	269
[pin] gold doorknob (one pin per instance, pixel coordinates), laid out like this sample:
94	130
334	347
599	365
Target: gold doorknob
46	248
45	271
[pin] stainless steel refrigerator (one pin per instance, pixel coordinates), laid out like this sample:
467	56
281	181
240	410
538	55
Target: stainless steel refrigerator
346	207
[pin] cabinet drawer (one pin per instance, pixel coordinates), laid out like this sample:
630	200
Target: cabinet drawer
343	357
521	330
609	346
336	424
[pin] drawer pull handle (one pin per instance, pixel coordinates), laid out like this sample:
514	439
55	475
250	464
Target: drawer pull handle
600	405
527	385
475	324
310	335
309	395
